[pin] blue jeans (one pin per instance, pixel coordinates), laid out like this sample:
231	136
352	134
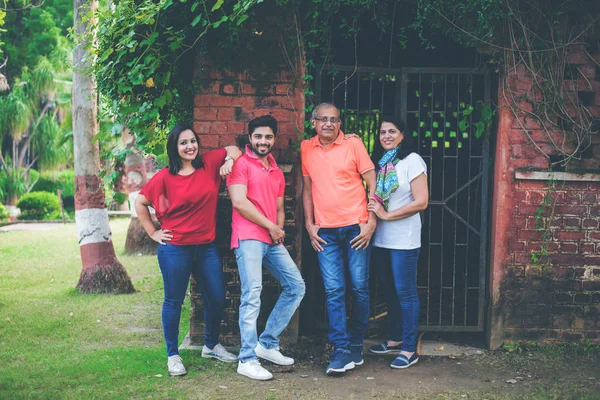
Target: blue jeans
251	255
176	264
398	270
336	254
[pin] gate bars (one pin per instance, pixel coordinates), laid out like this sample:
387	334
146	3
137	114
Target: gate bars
452	270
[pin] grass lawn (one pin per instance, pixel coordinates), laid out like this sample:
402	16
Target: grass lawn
57	343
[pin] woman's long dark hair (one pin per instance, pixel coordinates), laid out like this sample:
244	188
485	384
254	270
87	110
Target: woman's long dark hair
405	147
175	163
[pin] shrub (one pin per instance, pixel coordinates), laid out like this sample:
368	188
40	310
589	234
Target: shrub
38	205
3	213
53	181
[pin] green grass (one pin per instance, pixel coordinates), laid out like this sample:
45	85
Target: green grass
58	343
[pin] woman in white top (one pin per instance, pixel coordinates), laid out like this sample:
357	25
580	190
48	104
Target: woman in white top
400	195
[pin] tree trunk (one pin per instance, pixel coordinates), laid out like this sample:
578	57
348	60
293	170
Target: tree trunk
101	270
137	240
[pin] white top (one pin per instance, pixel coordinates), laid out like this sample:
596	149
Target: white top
402	234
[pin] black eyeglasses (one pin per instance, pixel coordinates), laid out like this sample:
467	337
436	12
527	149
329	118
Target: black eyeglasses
333	120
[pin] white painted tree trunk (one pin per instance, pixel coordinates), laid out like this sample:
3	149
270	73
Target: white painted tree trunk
101	270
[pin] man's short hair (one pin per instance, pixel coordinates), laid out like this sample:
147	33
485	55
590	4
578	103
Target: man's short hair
315	110
265	120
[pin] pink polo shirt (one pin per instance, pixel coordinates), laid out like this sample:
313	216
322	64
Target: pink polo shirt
265	186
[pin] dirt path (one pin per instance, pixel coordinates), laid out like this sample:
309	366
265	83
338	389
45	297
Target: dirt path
485	376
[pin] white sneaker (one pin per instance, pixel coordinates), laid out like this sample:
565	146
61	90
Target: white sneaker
175	366
273	355
219	352
253	370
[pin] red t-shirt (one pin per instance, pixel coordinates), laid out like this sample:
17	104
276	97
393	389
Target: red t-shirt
187	205
264	186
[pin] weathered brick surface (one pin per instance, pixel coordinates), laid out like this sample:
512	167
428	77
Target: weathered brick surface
556	299
225	103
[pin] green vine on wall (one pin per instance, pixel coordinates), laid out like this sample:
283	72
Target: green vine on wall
544	215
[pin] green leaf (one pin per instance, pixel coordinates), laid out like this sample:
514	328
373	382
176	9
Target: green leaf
217	5
242	19
120	197
197	19
463	125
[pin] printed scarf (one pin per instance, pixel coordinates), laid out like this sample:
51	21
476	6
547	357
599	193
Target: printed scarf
387	180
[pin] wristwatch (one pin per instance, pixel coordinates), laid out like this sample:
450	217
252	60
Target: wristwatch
227	158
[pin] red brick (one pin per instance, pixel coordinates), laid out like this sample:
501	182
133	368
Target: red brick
283	115
527	210
518	137
572	198
592	260
248	88
586	248
209	141
285	75
589	198
568	247
533	185
201	127
208	87
519	221
205	114
226	114
230	89
529	234
538	163
595	211
571	210
562	235
237	128
285	89
218	128
567	259
202	100
562	273
272	102
520	196
233	101
591	285
576	186
227	140
288	128
572	222
516	246
594	235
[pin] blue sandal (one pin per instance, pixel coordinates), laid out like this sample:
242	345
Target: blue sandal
383	348
403	362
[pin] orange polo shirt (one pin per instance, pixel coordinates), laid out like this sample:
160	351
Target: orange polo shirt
338	192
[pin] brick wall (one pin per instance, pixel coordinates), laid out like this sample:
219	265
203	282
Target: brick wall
224	104
557	298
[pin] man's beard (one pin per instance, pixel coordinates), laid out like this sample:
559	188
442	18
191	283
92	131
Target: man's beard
256	150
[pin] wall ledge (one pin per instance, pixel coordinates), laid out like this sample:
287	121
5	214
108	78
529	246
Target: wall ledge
556	176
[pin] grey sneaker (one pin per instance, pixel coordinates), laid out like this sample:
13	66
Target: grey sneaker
219	352
175	366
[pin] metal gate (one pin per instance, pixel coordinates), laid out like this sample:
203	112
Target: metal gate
452	269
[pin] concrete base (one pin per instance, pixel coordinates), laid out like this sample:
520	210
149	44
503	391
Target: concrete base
438	348
187	344
432	348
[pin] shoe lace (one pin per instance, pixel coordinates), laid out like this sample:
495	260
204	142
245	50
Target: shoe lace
254	363
175	359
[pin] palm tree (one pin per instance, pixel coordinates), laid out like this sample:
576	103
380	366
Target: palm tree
29	123
101	270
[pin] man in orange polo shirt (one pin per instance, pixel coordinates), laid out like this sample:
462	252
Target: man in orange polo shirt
340	228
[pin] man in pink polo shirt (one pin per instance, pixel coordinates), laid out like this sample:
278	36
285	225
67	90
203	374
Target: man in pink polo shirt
256	187
340	228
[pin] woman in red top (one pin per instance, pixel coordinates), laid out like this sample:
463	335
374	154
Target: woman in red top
185	199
